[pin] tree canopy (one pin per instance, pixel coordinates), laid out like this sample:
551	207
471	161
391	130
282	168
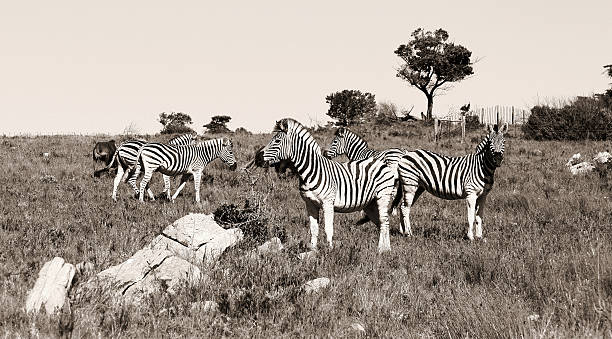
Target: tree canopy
432	64
218	124
350	106
175	122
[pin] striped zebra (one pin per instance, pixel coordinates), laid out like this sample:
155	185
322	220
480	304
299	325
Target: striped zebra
126	155
342	187
172	160
350	143
467	177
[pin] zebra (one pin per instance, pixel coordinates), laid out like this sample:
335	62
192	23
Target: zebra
350	143
126	155
332	186
172	160
467	177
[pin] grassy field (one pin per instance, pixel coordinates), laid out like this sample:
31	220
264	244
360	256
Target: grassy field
545	269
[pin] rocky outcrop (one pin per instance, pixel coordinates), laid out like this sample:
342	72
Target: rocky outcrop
173	257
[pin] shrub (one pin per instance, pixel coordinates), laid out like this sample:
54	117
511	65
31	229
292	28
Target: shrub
584	118
250	219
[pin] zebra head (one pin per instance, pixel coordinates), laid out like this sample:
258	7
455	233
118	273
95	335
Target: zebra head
226	154
338	144
495	149
279	148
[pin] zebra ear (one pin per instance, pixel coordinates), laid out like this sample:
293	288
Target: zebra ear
282	126
340	132
489	128
504	128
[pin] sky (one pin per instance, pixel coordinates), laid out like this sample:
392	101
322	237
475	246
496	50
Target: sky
85	67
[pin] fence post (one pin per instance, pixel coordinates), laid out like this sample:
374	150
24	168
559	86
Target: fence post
463	129
513	115
436	127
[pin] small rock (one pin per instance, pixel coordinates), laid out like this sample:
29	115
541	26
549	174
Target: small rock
307	255
46	154
581	168
54	281
48	179
574	159
358	327
533	317
273	245
537	153
316	284
602	157
206	306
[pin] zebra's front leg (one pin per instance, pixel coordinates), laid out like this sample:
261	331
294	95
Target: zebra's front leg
184	179
313	219
328	219
197	175
480	207
167	186
471	209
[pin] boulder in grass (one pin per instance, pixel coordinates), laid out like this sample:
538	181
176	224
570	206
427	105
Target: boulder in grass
54	281
197	238
172	258
602	157
573	160
148	271
273	245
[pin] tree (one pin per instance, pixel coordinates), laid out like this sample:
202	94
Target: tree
431	63
217	124
350	106
175	122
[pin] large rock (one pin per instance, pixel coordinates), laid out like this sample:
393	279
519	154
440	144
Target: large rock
581	168
54	281
196	238
171	258
316	284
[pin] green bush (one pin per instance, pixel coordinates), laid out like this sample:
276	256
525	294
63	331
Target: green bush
585	118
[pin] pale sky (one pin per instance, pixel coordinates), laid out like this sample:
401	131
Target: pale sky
97	67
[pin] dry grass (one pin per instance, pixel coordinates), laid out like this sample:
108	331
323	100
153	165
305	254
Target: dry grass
548	251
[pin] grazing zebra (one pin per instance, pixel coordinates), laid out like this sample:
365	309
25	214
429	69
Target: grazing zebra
342	187
347	142
126	155
467	177
173	160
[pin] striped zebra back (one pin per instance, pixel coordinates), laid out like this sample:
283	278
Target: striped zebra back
356	148
184	139
127	153
455	177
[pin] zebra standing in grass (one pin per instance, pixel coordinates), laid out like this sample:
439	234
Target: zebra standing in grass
350	143
174	160
126	156
468	177
343	187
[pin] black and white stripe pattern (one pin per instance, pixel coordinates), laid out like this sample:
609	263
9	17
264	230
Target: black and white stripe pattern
468	177
342	187
174	160
356	148
126	157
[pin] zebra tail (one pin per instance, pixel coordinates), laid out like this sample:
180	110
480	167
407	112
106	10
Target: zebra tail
109	166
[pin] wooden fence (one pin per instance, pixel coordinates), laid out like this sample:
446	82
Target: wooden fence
494	114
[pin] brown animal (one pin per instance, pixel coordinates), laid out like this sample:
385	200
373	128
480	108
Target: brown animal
103	152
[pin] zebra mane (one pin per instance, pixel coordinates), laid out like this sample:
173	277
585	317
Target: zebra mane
298	130
356	135
482	146
210	142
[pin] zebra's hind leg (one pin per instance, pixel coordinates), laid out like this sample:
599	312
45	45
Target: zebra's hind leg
378	212
118	177
144	183
167	186
411	194
471	209
480	207
131	176
313	218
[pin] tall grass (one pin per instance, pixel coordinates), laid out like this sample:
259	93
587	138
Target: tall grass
545	269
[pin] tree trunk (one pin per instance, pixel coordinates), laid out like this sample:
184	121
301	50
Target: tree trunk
429	107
